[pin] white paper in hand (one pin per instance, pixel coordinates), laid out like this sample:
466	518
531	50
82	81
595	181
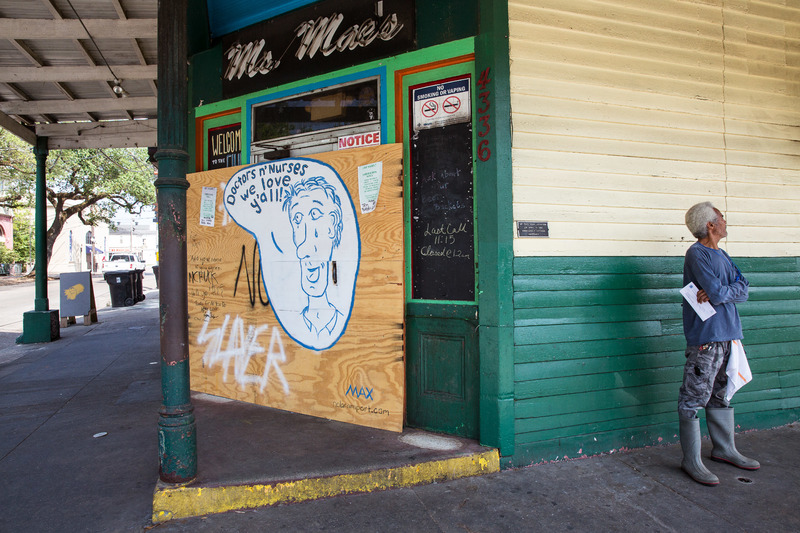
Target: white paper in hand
704	310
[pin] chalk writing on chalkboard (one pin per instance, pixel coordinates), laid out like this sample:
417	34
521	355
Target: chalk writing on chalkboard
442	227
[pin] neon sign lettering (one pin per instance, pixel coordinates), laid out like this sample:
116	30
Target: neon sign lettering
314	36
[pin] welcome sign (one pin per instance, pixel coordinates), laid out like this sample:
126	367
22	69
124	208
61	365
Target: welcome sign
295	295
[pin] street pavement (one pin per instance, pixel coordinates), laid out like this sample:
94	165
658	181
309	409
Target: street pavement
17	296
78	452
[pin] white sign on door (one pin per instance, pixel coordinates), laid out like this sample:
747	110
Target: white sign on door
442	103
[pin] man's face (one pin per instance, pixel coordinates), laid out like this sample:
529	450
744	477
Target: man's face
313	220
719	228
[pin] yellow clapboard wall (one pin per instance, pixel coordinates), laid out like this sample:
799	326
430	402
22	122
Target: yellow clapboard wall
627	113
238	349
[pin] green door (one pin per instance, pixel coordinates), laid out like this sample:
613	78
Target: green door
441	313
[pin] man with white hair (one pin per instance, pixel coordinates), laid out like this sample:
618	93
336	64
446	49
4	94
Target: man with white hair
708	345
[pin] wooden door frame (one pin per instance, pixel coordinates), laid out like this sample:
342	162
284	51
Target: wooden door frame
468	307
399	75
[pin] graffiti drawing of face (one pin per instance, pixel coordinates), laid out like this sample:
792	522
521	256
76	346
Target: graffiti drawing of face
304	221
315	213
316	216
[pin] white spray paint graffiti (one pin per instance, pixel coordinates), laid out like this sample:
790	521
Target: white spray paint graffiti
241	348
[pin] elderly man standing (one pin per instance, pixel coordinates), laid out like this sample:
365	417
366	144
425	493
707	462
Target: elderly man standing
708	345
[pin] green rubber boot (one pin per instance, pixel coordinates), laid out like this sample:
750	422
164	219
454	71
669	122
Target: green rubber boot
720	428
692	464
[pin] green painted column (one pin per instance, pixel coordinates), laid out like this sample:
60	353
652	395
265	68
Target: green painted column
41	303
41	324
177	437
495	223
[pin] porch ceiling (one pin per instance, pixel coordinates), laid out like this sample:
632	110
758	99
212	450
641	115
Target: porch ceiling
59	60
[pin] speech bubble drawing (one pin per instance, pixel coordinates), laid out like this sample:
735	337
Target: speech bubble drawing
304	221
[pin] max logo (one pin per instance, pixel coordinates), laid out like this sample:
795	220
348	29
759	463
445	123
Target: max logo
366	392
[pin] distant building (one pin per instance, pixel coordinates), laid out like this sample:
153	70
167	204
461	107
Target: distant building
6	228
135	233
78	247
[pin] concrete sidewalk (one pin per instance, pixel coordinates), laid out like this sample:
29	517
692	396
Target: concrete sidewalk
638	490
78	452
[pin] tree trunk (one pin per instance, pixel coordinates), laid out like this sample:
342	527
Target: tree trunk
53	232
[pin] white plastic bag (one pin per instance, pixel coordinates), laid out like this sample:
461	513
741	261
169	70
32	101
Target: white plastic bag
738	370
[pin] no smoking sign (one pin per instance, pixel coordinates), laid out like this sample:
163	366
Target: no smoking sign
430	108
441	103
451	104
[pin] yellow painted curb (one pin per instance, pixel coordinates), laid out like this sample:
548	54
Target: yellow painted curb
171	502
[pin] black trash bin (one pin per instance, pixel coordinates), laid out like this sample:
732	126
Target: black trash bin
155	273
138	285
121	287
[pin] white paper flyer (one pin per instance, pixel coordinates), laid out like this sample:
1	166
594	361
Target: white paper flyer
208	206
369	185
704	310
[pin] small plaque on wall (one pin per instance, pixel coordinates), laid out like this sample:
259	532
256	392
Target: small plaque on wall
528	228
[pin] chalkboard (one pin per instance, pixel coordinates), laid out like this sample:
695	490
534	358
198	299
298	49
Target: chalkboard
442	223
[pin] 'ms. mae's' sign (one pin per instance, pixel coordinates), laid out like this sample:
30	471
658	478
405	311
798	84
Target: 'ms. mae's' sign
325	36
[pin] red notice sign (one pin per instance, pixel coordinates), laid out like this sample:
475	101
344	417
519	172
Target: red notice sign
360	139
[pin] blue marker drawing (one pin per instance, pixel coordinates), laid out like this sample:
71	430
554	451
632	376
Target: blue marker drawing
309	243
315	213
275	243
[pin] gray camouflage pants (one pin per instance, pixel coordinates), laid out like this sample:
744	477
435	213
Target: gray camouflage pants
704	378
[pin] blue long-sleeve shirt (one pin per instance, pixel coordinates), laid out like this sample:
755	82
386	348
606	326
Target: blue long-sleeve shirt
714	272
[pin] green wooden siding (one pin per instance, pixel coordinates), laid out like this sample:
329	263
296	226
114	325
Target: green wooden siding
598	351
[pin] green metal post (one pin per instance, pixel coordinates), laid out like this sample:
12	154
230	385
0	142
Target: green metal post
41	324
177	438
41	303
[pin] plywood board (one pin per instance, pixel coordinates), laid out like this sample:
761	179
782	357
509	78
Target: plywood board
253	300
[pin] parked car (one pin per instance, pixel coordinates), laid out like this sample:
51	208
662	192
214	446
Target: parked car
122	261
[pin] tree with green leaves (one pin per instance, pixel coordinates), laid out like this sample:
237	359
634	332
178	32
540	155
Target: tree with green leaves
23	236
92	184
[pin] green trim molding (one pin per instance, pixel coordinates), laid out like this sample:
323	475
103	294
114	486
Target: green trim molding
494	227
206	96
598	352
